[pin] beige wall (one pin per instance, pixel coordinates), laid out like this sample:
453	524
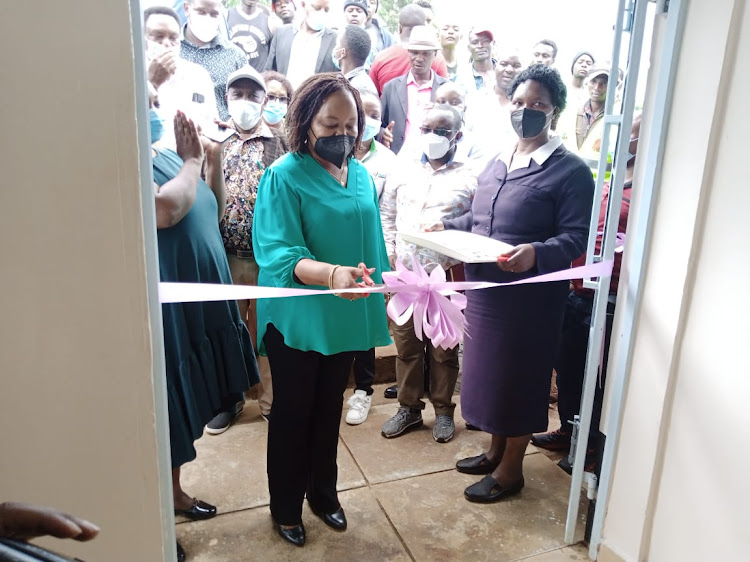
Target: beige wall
79	426
680	473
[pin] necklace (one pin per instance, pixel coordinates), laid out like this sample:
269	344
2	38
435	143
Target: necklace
340	179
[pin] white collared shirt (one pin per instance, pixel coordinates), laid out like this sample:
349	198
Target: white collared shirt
304	56
516	161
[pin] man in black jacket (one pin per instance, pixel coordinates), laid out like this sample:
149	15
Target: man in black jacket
300	50
406	97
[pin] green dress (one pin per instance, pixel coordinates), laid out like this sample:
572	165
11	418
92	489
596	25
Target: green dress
208	351
303	212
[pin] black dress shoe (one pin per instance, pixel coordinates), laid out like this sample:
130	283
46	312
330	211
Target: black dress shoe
471	427
487	490
199	511
180	553
391	391
295	535
335	520
476	465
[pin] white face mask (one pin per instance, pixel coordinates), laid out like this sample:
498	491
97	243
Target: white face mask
434	146
153	50
245	114
316	20
205	28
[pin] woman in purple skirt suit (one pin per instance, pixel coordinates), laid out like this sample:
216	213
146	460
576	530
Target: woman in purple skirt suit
538	198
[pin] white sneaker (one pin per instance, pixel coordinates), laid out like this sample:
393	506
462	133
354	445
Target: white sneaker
359	407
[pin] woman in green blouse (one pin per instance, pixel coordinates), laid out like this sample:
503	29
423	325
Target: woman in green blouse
316	225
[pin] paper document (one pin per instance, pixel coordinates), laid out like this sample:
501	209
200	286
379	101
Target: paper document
459	245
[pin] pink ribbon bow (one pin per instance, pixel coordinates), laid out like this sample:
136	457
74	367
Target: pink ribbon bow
437	310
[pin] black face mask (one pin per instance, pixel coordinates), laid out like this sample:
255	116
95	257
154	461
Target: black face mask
528	123
334	149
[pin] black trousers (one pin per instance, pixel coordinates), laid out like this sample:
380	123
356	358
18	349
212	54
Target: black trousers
364	370
571	363
303	432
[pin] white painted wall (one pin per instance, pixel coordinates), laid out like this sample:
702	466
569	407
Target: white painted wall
680	471
77	401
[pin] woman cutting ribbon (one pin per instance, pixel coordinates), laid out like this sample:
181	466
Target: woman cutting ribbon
538	198
316	216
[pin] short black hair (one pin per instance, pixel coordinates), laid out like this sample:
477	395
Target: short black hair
411	15
306	104
549	43
456	119
269	75
160	10
547	77
357	43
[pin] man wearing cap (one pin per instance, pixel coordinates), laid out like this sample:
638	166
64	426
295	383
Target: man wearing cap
300	50
248	28
283	13
480	75
381	38
579	70
350	53
590	115
394	61
405	98
203	44
355	12
246	157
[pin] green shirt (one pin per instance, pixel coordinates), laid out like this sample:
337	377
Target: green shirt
303	212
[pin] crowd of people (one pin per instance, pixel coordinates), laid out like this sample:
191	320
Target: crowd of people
290	154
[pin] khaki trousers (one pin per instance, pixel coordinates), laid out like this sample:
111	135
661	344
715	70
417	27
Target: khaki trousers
410	371
245	272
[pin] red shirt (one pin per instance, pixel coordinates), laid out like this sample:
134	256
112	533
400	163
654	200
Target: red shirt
394	61
622	225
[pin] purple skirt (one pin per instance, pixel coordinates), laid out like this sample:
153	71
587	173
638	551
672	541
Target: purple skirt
512	336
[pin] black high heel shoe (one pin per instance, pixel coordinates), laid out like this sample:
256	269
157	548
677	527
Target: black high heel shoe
335	520
295	535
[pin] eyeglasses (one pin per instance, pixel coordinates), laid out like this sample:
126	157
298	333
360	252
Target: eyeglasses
271	97
440	132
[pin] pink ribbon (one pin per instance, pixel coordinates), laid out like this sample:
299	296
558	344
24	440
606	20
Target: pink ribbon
437	310
434	304
620	240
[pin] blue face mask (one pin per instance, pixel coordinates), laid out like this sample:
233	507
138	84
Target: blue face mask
156	126
274	112
336	62
372	128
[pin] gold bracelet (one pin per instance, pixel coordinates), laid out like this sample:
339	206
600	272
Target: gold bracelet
330	276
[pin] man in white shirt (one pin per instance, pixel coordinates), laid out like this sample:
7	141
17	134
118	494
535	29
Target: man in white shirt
181	84
433	187
300	50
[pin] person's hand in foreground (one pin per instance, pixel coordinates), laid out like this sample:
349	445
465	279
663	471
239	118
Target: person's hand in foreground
344	277
521	258
24	521
387	136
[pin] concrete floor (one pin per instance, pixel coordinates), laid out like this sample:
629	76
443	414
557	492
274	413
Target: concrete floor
403	500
